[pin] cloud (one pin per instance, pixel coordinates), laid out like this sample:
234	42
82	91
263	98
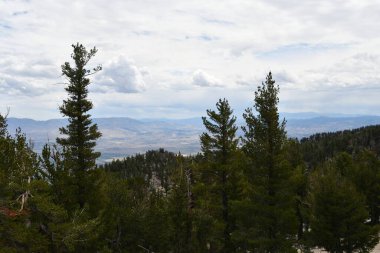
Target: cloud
318	49
285	78
13	86
121	75
5	26
30	68
201	78
20	76
359	71
19	13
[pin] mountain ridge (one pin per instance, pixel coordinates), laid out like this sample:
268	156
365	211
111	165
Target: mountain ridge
123	136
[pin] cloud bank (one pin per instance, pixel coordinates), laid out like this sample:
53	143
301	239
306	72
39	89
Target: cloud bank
323	54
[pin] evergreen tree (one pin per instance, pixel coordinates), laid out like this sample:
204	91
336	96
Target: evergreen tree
219	146
300	180
271	225
57	175
366	177
363	170
155	166
180	209
81	134
320	147
28	216
122	218
3	126
339	214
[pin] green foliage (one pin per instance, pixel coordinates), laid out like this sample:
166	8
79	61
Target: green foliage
122	216
3	126
220	141
339	214
219	145
154	166
366	177
26	208
322	146
54	170
134	218
180	209
81	133
300	182
269	221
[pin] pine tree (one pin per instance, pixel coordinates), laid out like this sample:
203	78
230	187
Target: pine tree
366	177
180	208
219	146
3	126
300	180
27	213
81	134
339	214
123	215
271	225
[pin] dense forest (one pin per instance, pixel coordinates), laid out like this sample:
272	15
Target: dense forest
259	192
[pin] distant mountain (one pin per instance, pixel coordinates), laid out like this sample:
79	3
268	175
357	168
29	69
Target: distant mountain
310	115
121	136
126	136
305	127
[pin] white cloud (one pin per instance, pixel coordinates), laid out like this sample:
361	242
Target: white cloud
360	70
121	75
316	50
19	86
20	76
29	68
201	78
11	86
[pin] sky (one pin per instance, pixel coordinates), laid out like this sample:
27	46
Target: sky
176	58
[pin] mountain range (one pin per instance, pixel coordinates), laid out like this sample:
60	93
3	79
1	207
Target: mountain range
126	136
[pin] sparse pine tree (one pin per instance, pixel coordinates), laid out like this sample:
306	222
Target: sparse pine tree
80	134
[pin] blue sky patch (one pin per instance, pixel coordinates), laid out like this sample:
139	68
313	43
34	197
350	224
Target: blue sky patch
301	48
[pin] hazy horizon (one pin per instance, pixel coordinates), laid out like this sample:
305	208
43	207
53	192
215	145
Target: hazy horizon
294	115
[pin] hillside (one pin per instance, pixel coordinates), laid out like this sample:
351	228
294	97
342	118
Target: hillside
321	146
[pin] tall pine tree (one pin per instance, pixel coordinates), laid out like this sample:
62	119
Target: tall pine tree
219	145
80	134
271	224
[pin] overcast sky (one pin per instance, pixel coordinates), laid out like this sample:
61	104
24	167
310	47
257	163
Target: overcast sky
175	58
